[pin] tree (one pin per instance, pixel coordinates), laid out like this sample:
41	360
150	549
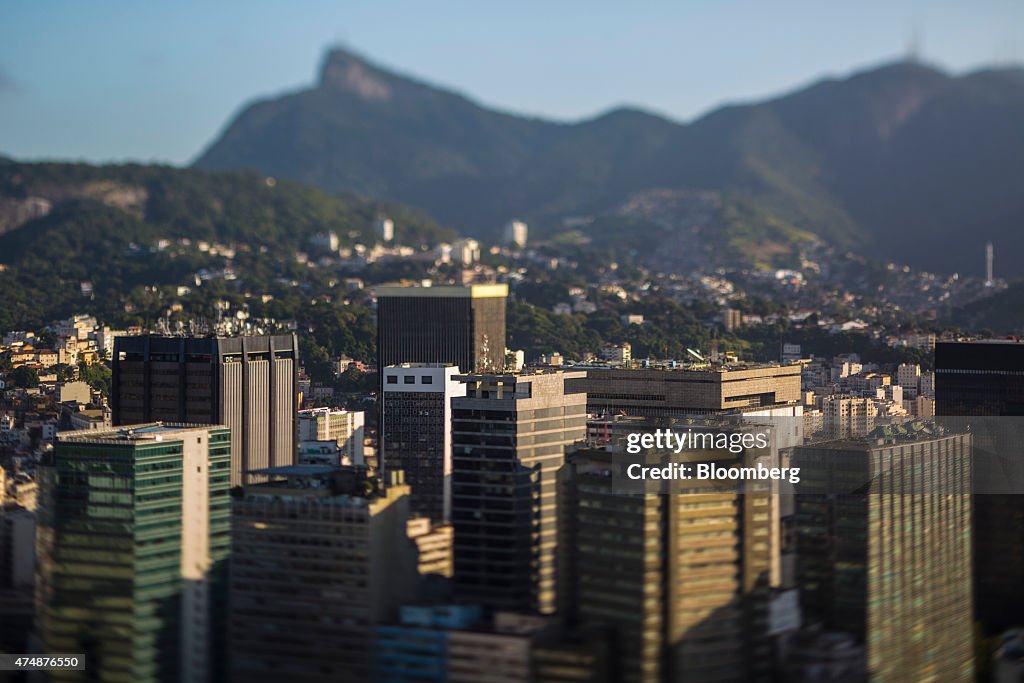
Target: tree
96	376
25	377
64	372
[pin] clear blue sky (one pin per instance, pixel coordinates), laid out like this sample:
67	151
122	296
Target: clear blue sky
148	80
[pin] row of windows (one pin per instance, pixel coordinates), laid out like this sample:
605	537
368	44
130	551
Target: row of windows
410	379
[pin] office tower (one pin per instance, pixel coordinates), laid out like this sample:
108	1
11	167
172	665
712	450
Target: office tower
133	540
683	580
416	648
766	390
986	379
320	556
461	326
884	543
979	378
385	229
416	432
344	427
509	439
17	576
246	383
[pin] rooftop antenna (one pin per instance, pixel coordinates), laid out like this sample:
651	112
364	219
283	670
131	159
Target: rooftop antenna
989	257
915	42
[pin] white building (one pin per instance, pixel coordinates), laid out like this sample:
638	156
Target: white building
416	432
385	229
343	427
515	233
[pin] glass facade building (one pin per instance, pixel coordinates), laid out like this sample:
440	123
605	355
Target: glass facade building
133	541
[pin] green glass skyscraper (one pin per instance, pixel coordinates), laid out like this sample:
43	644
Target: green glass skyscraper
134	535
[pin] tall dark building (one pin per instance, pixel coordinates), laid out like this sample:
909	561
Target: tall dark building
987	379
884	540
979	378
416	432
509	435
463	326
249	384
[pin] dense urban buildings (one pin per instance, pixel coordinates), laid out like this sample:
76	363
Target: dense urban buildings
458	325
247	383
509	438
884	529
319	557
416	432
134	535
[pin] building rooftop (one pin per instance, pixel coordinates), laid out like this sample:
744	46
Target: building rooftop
149	432
448	291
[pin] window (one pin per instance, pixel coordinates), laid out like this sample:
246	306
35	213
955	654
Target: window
409	379
427	379
392	379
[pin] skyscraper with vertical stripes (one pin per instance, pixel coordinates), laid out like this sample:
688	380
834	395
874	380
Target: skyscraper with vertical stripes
248	384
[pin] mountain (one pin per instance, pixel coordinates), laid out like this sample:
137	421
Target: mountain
903	161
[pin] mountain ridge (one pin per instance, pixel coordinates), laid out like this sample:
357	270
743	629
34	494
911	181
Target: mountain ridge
864	161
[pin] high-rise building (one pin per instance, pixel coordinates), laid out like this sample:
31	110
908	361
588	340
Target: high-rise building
762	389
884	549
509	438
17	576
416	432
320	556
344	427
461	326
986	379
683	580
515	233
133	539
248	384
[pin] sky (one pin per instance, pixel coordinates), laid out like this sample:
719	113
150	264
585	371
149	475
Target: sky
116	80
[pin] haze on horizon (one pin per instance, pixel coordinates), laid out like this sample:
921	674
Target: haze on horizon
157	82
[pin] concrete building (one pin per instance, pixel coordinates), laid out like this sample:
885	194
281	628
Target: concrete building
248	384
509	438
133	539
461	326
320	556
845	416
672	391
884	547
416	432
385	229
344	427
684	581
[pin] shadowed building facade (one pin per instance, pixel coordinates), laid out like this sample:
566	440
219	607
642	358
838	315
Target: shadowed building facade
986	379
509	437
884	548
249	384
